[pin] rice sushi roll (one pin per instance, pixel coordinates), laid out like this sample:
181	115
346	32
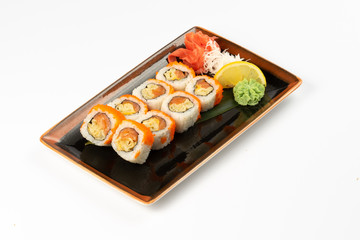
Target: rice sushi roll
208	90
100	125
176	74
153	92
161	125
130	106
183	107
132	141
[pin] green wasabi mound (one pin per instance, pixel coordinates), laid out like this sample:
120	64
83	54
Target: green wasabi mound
248	92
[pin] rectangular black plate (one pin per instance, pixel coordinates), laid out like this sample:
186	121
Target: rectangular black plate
165	168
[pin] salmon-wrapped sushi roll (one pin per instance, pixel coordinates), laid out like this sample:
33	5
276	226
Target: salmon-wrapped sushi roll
184	108
100	125
130	106
132	141
153	92
176	74
161	125
208	90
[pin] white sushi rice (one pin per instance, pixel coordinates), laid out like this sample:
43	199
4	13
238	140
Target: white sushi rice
183	120
207	102
159	135
135	116
131	156
156	102
84	128
177	84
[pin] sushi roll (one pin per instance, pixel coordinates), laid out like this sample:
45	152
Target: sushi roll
176	74
183	107
100	125
130	106
161	125
132	141
208	90
153	92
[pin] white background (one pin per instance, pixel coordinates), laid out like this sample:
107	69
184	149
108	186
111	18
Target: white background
294	175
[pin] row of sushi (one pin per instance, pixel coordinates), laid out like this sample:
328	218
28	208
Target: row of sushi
147	119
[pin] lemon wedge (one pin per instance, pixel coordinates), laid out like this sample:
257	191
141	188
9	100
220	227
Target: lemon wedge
232	73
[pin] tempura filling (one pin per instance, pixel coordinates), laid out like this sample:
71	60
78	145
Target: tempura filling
99	126
128	107
155	123
202	88
152	91
127	139
174	74
180	104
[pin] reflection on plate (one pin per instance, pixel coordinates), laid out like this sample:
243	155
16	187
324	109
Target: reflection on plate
167	167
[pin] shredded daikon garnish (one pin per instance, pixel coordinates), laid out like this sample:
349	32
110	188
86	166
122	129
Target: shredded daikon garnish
215	59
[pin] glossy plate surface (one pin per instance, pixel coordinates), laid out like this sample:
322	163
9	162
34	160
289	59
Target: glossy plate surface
167	167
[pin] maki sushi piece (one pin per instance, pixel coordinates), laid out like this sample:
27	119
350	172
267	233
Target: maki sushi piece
100	125
176	74
130	106
208	90
132	141
184	108
153	92
161	125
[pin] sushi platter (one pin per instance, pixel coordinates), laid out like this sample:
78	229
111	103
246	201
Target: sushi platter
172	113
